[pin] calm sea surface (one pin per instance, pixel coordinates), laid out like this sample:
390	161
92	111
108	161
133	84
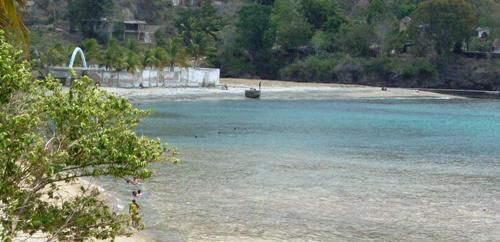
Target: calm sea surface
328	170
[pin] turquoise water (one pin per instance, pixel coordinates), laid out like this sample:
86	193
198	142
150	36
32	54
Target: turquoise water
325	170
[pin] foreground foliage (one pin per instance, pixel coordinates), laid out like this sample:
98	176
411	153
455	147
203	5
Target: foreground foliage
50	137
11	18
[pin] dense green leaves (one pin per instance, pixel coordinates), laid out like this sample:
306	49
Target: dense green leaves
176	54
259	38
84	14
292	28
444	22
49	136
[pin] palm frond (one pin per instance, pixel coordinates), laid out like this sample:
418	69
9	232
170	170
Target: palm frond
11	18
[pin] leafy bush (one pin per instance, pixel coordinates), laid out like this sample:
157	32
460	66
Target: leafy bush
313	68
400	67
477	44
380	65
50	136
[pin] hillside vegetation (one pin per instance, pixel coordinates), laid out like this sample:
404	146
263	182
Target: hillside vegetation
406	43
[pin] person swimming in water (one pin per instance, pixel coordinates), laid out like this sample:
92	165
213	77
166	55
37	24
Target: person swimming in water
133	181
137	193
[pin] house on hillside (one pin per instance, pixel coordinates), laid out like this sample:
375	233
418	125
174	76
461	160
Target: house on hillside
496	46
139	30
482	32
122	30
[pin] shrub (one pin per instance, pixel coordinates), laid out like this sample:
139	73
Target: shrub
313	68
477	44
400	67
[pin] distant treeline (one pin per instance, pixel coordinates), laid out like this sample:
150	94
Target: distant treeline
304	40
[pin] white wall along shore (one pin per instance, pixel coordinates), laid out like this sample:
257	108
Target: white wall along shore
149	77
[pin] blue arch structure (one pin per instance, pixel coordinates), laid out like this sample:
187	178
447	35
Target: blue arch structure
78	50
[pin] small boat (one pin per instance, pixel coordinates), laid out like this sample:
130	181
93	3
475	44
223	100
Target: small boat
252	93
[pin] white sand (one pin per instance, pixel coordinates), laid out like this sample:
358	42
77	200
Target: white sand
272	90
69	191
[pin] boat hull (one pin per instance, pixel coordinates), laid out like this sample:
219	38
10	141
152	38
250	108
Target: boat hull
252	93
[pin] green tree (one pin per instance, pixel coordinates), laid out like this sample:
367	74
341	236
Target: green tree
266	2
53	57
85	14
176	54
323	15
377	10
254	22
149	58
194	20
133	55
114	56
444	23
58	55
133	61
11	18
254	38
161	57
93	51
133	45
292	28
50	137
199	47
354	39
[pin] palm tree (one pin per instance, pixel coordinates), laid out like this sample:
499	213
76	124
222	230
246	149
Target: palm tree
199	47
133	63
92	51
161	57
11	19
114	57
176	54
149	60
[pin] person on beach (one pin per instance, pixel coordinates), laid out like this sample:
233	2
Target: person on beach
133	181
260	85
133	210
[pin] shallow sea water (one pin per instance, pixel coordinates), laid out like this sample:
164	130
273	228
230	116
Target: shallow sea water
324	170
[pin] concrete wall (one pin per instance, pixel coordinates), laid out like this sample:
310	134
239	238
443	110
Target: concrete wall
179	77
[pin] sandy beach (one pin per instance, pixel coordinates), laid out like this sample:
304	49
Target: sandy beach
71	190
271	90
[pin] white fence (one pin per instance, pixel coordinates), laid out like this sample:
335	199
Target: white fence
179	77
